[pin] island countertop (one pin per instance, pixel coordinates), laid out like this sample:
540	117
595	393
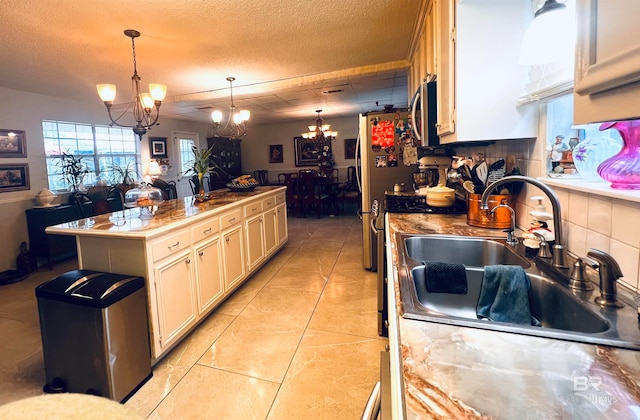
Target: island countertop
168	215
446	371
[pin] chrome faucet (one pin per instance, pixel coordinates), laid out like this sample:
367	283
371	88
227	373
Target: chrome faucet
609	272
511	238
558	251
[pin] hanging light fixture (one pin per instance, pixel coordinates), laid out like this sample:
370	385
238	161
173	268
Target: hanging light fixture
550	37
236	125
142	105
320	132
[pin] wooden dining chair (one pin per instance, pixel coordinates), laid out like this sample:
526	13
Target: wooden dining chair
312	197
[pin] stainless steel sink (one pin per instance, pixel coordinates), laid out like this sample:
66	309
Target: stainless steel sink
564	314
470	251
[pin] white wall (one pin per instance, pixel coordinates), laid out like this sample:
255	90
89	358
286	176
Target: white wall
255	146
25	111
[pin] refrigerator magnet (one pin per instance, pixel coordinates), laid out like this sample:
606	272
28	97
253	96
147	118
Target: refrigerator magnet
381	161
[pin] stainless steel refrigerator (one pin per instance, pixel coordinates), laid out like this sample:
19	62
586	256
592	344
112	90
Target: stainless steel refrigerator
382	138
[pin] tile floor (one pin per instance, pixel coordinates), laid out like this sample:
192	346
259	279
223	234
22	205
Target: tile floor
297	341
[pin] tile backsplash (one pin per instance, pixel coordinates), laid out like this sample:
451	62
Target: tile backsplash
589	220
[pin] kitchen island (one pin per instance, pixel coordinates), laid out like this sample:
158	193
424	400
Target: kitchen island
192	254
447	371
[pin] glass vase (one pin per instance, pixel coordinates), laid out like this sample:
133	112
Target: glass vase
623	169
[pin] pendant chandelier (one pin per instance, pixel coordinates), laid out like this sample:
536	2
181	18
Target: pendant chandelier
550	37
142	105
236	125
320	132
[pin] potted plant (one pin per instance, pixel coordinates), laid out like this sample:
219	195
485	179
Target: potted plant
124	176
201	165
73	171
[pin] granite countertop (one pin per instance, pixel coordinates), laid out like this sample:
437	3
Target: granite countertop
168	215
446	371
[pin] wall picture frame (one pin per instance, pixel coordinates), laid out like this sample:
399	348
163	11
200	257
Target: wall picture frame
350	148
158	147
14	177
276	153
307	151
13	143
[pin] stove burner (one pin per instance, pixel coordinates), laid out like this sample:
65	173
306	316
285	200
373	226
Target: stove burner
413	203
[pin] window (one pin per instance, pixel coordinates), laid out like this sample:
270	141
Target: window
575	150
186	143
101	147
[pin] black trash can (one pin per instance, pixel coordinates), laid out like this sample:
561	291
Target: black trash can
95	333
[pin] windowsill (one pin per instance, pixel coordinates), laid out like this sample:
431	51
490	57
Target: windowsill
601	188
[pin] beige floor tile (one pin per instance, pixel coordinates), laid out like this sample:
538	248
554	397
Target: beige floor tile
330	377
262	340
299	279
206	393
348	305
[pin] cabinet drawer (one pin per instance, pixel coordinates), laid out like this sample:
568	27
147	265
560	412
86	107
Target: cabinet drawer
205	229
170	244
253	208
281	198
267	203
230	219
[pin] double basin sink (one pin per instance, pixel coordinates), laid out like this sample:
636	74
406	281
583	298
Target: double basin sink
563	313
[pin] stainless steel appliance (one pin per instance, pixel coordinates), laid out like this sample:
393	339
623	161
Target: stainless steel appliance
381	140
377	231
410	202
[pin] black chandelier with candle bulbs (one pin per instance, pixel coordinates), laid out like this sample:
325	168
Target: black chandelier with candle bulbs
320	133
145	107
236	125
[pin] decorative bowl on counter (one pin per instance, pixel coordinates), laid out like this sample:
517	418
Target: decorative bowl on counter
243	183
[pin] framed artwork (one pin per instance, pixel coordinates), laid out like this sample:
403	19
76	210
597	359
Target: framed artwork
349	148
275	153
307	151
13	143
158	147
14	177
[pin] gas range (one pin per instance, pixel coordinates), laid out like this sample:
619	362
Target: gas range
410	202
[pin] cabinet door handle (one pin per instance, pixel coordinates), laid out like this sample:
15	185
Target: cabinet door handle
206	231
188	261
233	219
201	253
227	239
170	247
254	209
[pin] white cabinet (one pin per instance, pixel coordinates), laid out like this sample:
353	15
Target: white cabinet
282	229
270	225
233	256
607	76
175	297
479	79
255	241
209	276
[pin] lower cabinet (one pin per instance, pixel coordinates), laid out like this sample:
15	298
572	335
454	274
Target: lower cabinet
209	275
233	255
270	223
255	241
175	297
282	229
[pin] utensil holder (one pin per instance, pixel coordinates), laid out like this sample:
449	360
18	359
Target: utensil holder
501	219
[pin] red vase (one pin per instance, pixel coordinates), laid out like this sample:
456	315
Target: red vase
623	169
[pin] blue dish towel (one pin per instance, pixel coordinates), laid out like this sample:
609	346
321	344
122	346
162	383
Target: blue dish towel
504	295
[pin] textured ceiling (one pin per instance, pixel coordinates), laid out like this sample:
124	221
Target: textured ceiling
283	54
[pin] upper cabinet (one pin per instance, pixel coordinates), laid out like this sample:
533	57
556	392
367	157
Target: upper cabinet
607	77
423	49
479	79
